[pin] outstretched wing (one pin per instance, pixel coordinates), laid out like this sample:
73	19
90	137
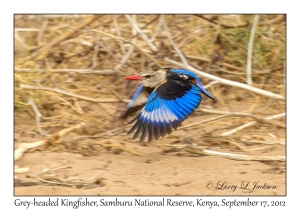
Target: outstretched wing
137	101
167	106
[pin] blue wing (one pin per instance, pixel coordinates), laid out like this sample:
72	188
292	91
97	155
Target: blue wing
186	72
162	113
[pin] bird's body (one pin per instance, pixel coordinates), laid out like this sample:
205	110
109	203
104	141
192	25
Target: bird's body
168	97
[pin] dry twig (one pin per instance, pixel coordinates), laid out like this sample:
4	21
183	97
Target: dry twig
55	138
278	116
143	35
41	32
26	146
131	48
38	117
183	59
250	47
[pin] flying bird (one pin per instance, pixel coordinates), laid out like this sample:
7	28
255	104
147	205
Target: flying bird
168	96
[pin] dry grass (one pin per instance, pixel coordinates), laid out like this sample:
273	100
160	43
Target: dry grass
75	65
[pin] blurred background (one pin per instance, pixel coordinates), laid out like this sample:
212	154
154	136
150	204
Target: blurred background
70	93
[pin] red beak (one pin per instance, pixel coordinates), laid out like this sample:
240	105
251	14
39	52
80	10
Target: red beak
134	77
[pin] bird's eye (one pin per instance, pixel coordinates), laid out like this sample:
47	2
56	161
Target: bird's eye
147	76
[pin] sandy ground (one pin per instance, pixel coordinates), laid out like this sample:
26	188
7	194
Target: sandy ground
156	172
